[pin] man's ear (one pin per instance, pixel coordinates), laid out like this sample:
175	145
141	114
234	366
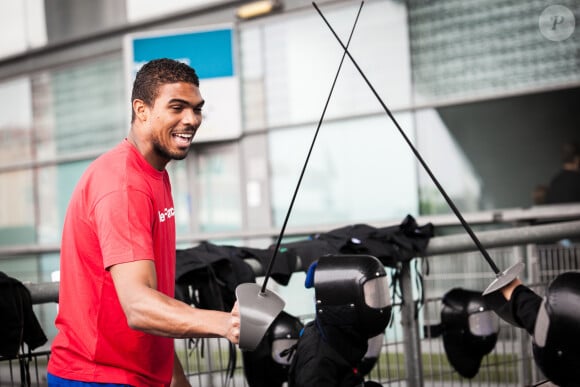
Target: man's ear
141	110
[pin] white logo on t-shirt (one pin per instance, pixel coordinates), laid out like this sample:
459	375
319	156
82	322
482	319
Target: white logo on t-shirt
166	214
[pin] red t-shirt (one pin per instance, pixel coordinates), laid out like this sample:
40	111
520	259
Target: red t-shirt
120	211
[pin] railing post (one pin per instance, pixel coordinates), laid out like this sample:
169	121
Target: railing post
533	277
412	337
523	254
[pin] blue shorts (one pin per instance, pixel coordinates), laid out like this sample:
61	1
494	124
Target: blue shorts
55	381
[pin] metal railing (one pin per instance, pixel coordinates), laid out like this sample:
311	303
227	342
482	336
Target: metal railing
409	357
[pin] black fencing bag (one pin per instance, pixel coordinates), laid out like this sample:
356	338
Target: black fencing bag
18	325
207	275
18	322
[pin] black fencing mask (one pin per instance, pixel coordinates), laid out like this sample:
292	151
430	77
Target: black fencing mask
557	331
352	290
469	330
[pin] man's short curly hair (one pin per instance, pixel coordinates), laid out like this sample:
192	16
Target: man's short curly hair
158	72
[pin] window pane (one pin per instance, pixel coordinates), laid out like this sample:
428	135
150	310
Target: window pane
217	184
81	108
302	57
23	268
493	153
139	10
25	21
181	196
16	208
360	171
69	19
252	77
448	163
15	121
57	184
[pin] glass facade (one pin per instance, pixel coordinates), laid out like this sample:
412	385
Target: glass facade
301	58
217	189
448	163
17	188
88	107
359	169
15	124
465	49
72	111
17	218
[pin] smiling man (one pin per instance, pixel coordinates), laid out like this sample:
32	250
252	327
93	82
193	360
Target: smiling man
117	315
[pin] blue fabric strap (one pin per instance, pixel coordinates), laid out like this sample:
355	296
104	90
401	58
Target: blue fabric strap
309	281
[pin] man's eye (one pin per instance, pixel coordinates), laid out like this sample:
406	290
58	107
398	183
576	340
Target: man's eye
177	107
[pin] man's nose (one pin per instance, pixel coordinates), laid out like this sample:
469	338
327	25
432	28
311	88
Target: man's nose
190	118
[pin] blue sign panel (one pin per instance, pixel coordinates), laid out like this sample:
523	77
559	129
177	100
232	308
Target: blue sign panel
208	52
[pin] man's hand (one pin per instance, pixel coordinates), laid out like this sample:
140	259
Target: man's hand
233	333
509	288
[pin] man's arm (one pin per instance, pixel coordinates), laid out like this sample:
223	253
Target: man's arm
517	304
151	311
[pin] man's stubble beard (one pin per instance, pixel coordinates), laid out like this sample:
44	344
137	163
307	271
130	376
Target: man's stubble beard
165	153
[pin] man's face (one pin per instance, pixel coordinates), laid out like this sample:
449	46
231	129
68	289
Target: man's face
174	119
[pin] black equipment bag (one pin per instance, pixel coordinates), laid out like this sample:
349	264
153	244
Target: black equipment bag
18	323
